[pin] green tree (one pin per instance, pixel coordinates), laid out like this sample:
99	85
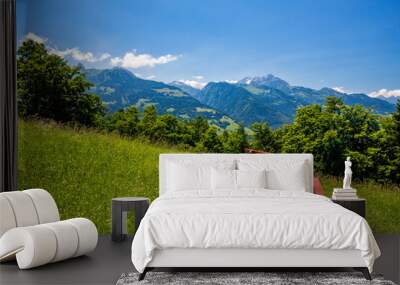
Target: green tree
263	137
149	119
396	118
236	141
210	141
333	104
332	132
167	129
126	122
278	136
49	88
386	152
198	127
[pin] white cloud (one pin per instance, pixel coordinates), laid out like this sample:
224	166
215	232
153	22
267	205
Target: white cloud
129	60
35	38
340	89
135	60
150	77
193	83
232	81
104	56
78	55
385	93
75	53
198	77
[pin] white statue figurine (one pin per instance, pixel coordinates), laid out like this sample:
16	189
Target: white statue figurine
347	174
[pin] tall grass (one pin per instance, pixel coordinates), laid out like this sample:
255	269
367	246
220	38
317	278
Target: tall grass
382	202
84	170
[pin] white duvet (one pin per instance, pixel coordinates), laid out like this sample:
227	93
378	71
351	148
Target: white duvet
250	219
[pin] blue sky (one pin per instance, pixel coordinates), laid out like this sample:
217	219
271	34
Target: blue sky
350	44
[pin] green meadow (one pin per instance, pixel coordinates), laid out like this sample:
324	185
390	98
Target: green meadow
85	169
382	202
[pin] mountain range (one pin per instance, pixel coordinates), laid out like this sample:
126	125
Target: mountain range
272	99
390	99
119	88
252	99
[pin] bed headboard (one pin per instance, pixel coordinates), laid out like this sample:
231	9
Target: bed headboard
164	158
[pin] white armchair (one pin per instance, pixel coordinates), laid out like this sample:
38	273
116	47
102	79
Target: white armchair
32	233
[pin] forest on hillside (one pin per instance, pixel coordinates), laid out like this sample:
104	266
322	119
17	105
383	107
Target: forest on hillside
50	89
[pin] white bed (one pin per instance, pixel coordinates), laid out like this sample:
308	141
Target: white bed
248	227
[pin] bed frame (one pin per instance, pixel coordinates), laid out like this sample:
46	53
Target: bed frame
246	258
243	259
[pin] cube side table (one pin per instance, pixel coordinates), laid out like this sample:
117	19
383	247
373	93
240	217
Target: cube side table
356	205
119	209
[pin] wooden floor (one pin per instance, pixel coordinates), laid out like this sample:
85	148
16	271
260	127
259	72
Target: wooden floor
103	266
110	260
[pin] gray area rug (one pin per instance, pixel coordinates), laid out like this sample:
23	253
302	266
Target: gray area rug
225	278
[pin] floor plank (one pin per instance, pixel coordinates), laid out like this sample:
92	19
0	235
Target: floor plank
103	266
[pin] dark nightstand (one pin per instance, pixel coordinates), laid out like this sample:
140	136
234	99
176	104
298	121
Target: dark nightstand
120	207
355	205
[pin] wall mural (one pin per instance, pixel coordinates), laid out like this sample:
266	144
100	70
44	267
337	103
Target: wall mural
104	88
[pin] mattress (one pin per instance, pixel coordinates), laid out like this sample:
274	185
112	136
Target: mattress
250	219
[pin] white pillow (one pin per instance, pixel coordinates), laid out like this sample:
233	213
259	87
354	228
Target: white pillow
281	174
291	178
251	178
223	179
193	174
181	177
